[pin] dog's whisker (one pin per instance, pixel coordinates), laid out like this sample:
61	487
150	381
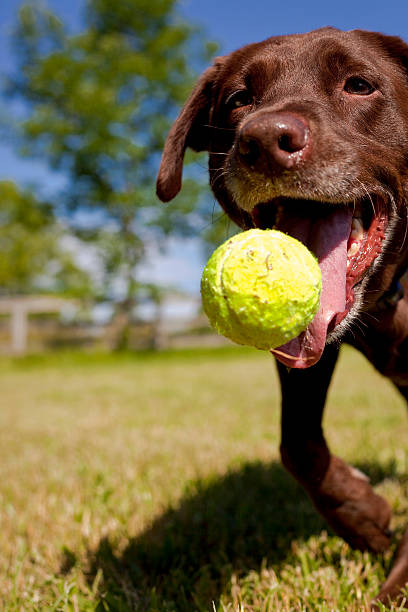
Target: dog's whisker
405	232
213	211
213	221
217	127
368	194
360	325
218	177
370	315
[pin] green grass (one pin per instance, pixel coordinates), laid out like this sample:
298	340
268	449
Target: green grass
152	482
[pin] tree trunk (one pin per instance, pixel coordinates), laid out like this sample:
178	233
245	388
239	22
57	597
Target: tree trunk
121	326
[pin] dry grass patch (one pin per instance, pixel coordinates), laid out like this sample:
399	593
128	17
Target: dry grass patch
153	482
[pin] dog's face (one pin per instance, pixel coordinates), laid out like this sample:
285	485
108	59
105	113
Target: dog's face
309	134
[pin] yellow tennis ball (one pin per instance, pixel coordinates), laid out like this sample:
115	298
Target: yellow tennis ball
261	288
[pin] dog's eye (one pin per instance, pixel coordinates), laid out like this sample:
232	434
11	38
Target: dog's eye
239	99
358	86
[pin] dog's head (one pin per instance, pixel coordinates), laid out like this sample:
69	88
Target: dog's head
309	134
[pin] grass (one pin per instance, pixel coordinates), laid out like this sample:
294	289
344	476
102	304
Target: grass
152	482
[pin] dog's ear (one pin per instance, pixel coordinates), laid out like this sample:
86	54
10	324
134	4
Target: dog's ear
393	46
191	129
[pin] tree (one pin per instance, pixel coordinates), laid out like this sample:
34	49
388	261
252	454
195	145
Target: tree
32	258
100	103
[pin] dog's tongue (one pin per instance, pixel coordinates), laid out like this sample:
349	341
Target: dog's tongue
327	238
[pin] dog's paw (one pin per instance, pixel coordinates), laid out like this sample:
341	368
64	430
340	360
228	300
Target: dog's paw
392	589
348	503
363	523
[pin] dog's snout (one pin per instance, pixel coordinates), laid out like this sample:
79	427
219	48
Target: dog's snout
274	141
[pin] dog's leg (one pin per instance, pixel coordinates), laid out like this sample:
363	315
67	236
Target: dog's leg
397	579
341	493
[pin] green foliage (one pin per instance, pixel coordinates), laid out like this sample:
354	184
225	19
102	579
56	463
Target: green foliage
32	257
100	103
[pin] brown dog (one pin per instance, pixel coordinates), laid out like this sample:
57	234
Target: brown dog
309	133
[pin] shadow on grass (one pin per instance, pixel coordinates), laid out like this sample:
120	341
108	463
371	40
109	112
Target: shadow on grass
224	525
233	523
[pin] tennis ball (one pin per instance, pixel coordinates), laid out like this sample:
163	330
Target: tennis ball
261	288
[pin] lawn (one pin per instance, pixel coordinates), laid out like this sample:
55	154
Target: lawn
152	482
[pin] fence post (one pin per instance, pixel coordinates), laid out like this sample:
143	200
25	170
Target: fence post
18	328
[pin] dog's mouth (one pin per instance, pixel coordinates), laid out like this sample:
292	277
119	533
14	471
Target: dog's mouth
346	239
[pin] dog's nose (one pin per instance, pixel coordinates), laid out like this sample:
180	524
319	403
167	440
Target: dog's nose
274	141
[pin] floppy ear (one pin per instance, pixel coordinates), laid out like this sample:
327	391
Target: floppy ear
393	46
191	129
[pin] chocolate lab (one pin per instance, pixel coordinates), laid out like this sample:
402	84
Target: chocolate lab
309	134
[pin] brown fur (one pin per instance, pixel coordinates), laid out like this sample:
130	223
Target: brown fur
339	148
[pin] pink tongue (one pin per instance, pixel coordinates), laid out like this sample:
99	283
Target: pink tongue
327	238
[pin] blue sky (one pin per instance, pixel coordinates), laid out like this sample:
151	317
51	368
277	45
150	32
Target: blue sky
231	23
236	22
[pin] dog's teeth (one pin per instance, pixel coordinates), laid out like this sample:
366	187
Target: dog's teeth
357	229
353	250
356	235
